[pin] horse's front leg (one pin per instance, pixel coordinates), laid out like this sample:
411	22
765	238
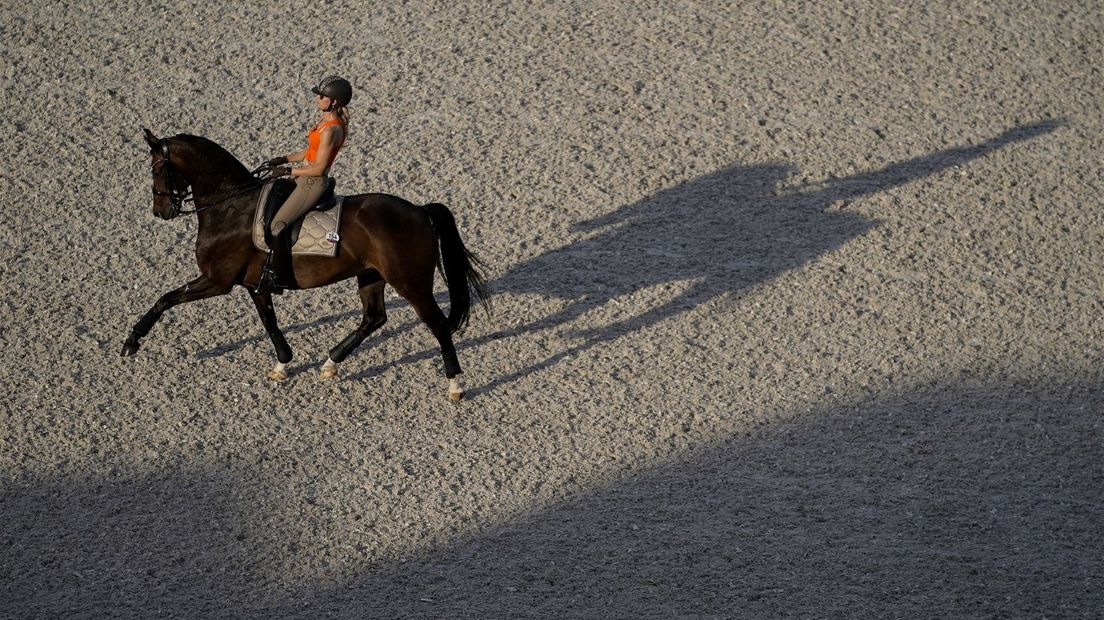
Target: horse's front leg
200	288
263	301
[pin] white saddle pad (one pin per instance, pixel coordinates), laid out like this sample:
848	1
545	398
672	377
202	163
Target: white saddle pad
319	235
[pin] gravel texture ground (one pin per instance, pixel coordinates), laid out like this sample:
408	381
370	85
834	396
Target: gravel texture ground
797	312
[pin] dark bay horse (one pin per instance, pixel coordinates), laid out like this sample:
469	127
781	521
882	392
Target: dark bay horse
384	240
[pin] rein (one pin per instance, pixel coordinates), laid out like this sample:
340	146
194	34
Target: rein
178	197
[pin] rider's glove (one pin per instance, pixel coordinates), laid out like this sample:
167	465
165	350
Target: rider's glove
281	171
276	161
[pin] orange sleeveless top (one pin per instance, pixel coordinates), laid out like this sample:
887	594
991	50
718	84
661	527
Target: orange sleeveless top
314	138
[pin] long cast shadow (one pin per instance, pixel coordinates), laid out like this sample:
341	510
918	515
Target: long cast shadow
714	236
328	320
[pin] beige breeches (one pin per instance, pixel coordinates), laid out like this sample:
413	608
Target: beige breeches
307	192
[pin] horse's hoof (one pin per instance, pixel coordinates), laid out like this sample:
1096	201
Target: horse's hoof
129	348
278	376
328	372
455	391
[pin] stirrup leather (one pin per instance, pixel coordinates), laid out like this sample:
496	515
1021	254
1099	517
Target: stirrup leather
269	281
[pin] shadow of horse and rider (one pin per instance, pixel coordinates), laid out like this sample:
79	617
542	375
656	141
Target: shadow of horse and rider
711	237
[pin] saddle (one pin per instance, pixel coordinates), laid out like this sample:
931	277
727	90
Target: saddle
316	232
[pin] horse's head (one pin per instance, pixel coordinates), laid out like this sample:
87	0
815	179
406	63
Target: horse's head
184	165
170	185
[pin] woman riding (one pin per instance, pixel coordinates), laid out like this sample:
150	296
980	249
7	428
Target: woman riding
323	143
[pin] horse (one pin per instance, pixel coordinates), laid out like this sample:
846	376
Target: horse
384	240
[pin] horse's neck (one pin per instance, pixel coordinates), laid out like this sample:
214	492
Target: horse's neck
212	171
221	206
217	179
229	221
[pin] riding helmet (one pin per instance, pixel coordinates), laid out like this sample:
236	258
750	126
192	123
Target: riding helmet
336	88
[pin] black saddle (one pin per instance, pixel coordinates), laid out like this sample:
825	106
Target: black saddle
281	189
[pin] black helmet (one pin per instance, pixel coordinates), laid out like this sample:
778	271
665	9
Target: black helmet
336	88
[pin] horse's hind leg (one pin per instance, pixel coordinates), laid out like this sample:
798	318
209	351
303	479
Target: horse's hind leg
200	288
370	286
431	315
263	301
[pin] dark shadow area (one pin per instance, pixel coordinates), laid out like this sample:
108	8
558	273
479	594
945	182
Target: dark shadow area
946	502
723	233
176	546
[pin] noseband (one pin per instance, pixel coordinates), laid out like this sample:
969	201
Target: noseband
177	197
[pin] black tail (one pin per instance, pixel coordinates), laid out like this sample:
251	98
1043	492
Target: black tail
459	267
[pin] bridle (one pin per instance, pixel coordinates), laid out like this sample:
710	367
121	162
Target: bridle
178	197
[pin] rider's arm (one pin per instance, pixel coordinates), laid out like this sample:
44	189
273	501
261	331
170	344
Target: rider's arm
326	142
297	156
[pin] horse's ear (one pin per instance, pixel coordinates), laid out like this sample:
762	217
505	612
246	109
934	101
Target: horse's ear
151	139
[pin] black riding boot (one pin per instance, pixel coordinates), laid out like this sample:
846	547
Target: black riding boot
277	273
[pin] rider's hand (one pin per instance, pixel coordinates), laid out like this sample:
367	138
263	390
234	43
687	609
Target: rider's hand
276	161
281	171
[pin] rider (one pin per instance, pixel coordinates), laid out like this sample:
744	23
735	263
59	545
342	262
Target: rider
323	142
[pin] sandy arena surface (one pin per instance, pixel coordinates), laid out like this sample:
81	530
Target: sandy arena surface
797	312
